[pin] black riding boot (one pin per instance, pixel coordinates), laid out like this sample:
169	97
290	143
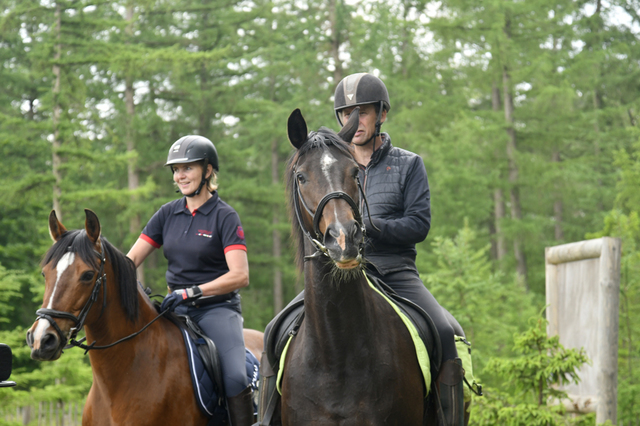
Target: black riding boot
241	408
451	394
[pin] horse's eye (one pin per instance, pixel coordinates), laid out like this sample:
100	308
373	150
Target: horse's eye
300	178
42	273
87	276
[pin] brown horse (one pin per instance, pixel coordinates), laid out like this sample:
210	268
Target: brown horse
352	361
141	381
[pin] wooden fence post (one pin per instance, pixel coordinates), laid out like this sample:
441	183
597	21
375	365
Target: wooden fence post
582	290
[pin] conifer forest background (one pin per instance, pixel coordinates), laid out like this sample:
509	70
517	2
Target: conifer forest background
526	113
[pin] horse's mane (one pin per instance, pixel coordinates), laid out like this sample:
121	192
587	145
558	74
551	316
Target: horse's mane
322	139
76	241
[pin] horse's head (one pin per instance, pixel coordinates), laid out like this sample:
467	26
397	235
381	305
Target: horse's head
73	270
322	179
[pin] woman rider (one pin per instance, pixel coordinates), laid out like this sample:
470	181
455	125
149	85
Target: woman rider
204	244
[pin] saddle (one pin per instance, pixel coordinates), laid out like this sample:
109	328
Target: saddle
204	366
205	369
289	320
287	323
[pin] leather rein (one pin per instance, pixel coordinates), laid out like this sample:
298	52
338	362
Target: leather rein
101	281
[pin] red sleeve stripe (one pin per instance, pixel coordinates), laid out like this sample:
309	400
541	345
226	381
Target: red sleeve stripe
235	247
150	241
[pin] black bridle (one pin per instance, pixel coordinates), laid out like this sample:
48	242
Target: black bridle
101	281
321	250
50	314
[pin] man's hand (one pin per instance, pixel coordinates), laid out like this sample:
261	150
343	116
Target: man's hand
370	228
178	297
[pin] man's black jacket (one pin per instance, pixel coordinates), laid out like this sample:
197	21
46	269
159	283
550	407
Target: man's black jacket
395	183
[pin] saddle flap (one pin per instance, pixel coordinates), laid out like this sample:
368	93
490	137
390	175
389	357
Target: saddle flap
278	331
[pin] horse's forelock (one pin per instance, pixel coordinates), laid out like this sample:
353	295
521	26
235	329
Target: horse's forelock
71	242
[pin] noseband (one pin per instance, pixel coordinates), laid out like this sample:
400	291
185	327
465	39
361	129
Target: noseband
321	250
50	314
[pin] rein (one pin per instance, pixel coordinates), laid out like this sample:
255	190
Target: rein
50	314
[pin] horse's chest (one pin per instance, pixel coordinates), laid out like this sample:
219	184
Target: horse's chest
342	386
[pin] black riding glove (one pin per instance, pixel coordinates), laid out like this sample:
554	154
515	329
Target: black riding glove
178	297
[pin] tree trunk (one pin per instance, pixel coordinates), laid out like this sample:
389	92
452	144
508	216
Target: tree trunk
405	38
57	110
132	173
557	205
278	297
514	195
27	415
499	244
336	40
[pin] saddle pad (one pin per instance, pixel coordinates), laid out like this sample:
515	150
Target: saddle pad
421	350
208	399
203	385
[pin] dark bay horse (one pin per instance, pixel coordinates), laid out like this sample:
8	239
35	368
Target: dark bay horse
141	381
352	361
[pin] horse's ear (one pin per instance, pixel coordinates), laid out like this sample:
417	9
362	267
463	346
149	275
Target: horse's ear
297	129
349	130
56	229
92	225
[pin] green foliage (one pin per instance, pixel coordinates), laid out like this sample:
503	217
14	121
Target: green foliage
464	282
542	364
9	287
624	222
67	379
136	75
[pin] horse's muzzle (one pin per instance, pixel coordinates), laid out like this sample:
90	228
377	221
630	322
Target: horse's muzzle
343	243
45	343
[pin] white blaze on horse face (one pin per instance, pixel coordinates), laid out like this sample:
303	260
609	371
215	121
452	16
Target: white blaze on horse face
326	161
63	265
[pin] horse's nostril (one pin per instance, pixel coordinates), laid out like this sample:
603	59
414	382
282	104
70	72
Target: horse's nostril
48	341
29	339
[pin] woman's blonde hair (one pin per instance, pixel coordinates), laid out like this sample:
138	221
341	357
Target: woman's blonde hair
212	181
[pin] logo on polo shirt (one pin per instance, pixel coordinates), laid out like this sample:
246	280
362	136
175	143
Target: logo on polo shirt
203	233
240	232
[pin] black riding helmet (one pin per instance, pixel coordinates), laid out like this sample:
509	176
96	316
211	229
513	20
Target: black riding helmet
192	148
361	89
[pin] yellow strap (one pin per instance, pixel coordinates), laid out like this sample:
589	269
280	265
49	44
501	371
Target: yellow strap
421	351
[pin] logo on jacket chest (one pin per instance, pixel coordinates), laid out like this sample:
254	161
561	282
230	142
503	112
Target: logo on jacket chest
204	233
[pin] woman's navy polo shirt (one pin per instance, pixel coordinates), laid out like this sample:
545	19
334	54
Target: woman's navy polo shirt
195	243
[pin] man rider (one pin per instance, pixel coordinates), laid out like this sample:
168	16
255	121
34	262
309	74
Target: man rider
397	190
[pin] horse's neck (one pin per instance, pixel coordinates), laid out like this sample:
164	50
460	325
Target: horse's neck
337	306
112	325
